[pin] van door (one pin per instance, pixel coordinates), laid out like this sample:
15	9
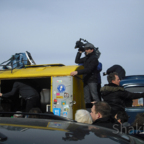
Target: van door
62	96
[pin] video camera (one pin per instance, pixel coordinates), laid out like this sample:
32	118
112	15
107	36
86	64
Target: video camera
81	47
104	73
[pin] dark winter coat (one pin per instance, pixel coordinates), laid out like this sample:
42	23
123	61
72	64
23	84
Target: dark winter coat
90	63
117	97
117	68
25	90
108	122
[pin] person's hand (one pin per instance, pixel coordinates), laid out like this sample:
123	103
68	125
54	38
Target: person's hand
81	50
73	73
93	102
0	94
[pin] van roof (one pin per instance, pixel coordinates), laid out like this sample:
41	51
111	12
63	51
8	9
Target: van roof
33	71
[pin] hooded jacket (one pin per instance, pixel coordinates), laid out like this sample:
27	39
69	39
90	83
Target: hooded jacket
90	63
117	97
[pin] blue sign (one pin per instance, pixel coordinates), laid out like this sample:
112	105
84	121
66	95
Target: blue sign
61	88
57	111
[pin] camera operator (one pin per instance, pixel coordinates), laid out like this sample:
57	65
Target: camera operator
90	63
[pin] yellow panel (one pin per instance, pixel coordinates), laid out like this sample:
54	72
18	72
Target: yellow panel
78	94
51	104
33	72
33	127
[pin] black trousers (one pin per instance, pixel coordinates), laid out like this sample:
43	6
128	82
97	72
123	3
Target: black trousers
32	103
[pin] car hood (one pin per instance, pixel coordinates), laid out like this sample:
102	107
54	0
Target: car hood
39	131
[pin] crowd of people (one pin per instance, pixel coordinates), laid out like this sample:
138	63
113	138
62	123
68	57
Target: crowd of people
101	116
110	101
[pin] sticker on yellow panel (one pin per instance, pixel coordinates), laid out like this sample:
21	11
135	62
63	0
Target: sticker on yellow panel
60	97
63	103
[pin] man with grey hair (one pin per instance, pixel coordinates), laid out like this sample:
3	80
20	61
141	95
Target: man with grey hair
90	63
116	96
101	115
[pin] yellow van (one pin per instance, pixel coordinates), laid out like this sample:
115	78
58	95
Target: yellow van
60	92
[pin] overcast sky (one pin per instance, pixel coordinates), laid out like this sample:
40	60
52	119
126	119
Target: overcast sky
48	29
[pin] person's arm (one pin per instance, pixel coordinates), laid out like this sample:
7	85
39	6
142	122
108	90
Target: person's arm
130	95
79	60
12	92
92	65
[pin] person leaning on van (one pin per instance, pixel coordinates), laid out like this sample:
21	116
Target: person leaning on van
90	63
28	92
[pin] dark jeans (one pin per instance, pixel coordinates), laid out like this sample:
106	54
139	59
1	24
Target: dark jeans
90	89
32	103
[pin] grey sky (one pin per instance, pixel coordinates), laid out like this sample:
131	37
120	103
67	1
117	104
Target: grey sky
49	29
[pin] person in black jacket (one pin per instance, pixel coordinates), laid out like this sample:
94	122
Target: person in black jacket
117	68
90	63
28	92
101	116
116	96
122	117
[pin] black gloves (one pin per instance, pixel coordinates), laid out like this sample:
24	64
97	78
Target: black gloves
81	49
